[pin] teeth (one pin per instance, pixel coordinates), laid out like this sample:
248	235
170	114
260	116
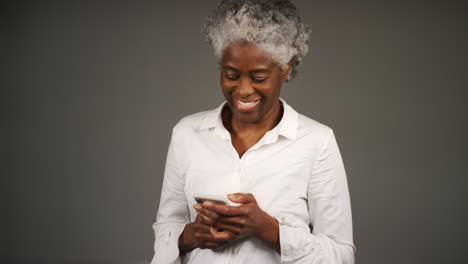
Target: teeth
247	103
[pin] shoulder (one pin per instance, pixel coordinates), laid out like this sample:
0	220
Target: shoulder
191	123
311	129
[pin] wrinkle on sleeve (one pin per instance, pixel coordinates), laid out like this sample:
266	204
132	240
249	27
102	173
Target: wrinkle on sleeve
173	212
331	240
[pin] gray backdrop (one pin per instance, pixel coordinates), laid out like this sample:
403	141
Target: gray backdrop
91	89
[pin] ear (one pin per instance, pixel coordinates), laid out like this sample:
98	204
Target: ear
285	72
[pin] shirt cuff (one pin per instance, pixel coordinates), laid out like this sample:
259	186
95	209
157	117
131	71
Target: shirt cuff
295	242
166	245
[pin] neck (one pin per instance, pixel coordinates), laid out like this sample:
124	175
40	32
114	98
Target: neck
270	120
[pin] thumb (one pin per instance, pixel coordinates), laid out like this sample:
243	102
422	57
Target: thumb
241	197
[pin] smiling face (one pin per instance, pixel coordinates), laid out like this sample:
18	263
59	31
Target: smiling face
251	83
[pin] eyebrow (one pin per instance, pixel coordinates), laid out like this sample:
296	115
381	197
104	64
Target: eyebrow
252	71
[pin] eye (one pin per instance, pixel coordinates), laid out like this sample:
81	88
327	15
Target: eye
232	77
258	79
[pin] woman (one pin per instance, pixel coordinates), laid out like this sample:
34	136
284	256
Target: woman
281	171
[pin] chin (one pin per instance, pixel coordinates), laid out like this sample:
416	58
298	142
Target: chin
247	118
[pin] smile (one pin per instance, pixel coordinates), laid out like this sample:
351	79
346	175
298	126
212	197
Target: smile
246	105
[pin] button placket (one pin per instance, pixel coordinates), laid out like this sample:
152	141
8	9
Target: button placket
240	175
243	167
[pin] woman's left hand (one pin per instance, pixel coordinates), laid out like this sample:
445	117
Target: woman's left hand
247	219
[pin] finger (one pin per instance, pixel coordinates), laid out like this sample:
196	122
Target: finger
198	218
206	220
222	235
211	245
197	207
209	213
208	237
200	227
226	210
236	229
242	197
235	220
203	219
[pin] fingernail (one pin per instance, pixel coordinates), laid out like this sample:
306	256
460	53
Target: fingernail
208	203
197	206
231	196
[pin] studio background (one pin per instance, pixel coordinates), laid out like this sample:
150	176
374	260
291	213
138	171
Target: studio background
91	90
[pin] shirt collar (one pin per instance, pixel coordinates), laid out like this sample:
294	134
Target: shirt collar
289	122
212	119
287	127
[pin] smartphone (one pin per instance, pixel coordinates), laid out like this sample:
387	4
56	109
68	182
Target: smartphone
201	197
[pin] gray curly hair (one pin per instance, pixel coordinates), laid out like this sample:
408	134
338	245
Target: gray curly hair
273	25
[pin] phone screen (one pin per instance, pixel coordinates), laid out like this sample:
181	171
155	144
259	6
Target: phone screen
201	200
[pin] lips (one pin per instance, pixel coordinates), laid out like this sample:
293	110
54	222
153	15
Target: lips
246	105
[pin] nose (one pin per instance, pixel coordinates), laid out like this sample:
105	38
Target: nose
245	89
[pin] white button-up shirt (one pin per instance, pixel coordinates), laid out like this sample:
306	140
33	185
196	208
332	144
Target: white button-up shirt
295	173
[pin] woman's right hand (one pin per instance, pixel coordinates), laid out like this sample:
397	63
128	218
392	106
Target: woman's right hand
202	234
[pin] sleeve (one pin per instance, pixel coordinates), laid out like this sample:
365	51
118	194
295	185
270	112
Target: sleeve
173	212
331	240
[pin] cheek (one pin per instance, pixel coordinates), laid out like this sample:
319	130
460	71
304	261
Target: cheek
270	89
222	82
225	88
276	87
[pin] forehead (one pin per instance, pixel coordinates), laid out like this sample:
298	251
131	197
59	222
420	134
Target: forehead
246	54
